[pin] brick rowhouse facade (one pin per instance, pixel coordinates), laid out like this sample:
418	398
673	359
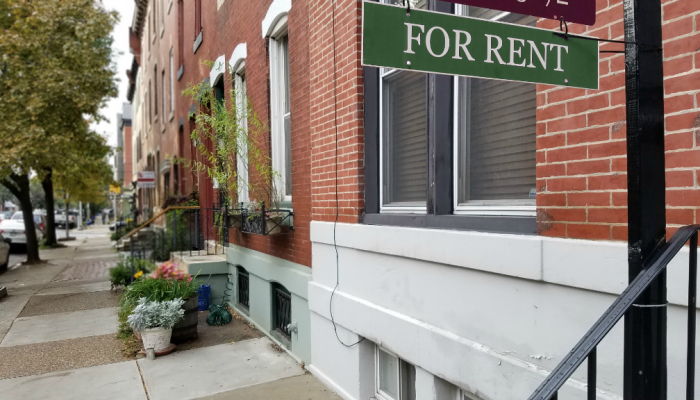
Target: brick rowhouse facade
224	26
581	146
581	163
455	287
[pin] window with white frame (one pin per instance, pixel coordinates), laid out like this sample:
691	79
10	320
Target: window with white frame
403	145
495	138
242	145
172	82
280	109
395	378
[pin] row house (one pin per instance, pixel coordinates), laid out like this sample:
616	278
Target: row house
453	237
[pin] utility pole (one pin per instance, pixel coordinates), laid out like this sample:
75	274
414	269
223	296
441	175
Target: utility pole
645	375
80	215
67	220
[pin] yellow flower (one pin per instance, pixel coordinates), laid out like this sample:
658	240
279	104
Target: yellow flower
138	274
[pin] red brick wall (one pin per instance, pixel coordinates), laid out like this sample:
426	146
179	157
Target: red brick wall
348	85
581	146
240	21
156	51
128	156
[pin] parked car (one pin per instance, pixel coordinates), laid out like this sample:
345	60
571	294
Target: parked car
117	224
61	220
13	229
5	215
4	253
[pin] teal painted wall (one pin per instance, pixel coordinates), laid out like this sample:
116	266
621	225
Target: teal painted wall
264	270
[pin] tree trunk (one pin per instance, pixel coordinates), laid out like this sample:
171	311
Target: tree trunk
50	231
19	186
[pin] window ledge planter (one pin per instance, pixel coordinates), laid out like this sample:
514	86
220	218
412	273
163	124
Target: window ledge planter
263	222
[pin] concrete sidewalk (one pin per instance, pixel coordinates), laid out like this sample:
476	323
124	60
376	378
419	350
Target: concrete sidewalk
58	341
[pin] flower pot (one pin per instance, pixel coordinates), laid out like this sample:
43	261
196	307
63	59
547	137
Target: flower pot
186	329
235	221
273	225
156	338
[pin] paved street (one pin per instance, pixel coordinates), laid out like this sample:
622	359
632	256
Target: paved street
58	341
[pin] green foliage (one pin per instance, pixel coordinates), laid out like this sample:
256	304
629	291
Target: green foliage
121	274
124	330
157	290
235	129
162	241
56	70
156	314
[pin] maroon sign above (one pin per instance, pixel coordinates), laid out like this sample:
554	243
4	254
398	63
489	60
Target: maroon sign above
578	11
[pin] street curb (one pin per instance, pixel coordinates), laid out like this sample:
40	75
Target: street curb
3	292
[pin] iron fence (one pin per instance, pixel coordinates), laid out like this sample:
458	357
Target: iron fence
283	312
586	349
243	288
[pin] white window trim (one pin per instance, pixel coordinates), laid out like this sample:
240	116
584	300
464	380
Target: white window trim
384	208
277	10
217	70
513	208
277	106
241	161
239	55
381	395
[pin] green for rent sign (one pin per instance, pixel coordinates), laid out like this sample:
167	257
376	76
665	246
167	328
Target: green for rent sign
440	43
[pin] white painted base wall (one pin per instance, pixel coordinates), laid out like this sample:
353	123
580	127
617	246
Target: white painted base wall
491	314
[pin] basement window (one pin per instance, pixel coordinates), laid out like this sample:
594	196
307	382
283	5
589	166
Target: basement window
396	378
243	288
281	314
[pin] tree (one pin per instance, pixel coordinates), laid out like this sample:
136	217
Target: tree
86	173
56	70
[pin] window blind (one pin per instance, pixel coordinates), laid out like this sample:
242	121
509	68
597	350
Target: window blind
501	140
405	140
497	131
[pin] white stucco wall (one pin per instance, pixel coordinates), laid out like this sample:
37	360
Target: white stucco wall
489	313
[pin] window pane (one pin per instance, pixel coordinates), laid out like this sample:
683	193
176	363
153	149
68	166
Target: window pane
404	138
389	374
408	381
285	60
497	130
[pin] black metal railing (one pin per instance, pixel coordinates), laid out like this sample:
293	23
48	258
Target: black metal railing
184	232
586	347
243	288
283	312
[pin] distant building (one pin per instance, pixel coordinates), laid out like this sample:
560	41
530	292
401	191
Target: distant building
123	160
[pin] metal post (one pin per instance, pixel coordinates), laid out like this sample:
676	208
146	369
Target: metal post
692	323
645	374
131	249
174	230
196	229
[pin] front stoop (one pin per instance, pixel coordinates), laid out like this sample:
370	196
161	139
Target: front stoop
212	269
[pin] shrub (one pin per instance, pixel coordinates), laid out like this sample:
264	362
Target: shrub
156	314
121	274
158	290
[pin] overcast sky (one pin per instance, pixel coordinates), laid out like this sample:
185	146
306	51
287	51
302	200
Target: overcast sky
123	62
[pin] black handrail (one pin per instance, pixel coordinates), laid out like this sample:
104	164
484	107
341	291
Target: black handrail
586	347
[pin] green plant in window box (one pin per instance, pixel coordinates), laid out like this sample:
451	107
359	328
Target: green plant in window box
234	126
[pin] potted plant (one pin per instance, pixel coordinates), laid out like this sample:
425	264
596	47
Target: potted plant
155	321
